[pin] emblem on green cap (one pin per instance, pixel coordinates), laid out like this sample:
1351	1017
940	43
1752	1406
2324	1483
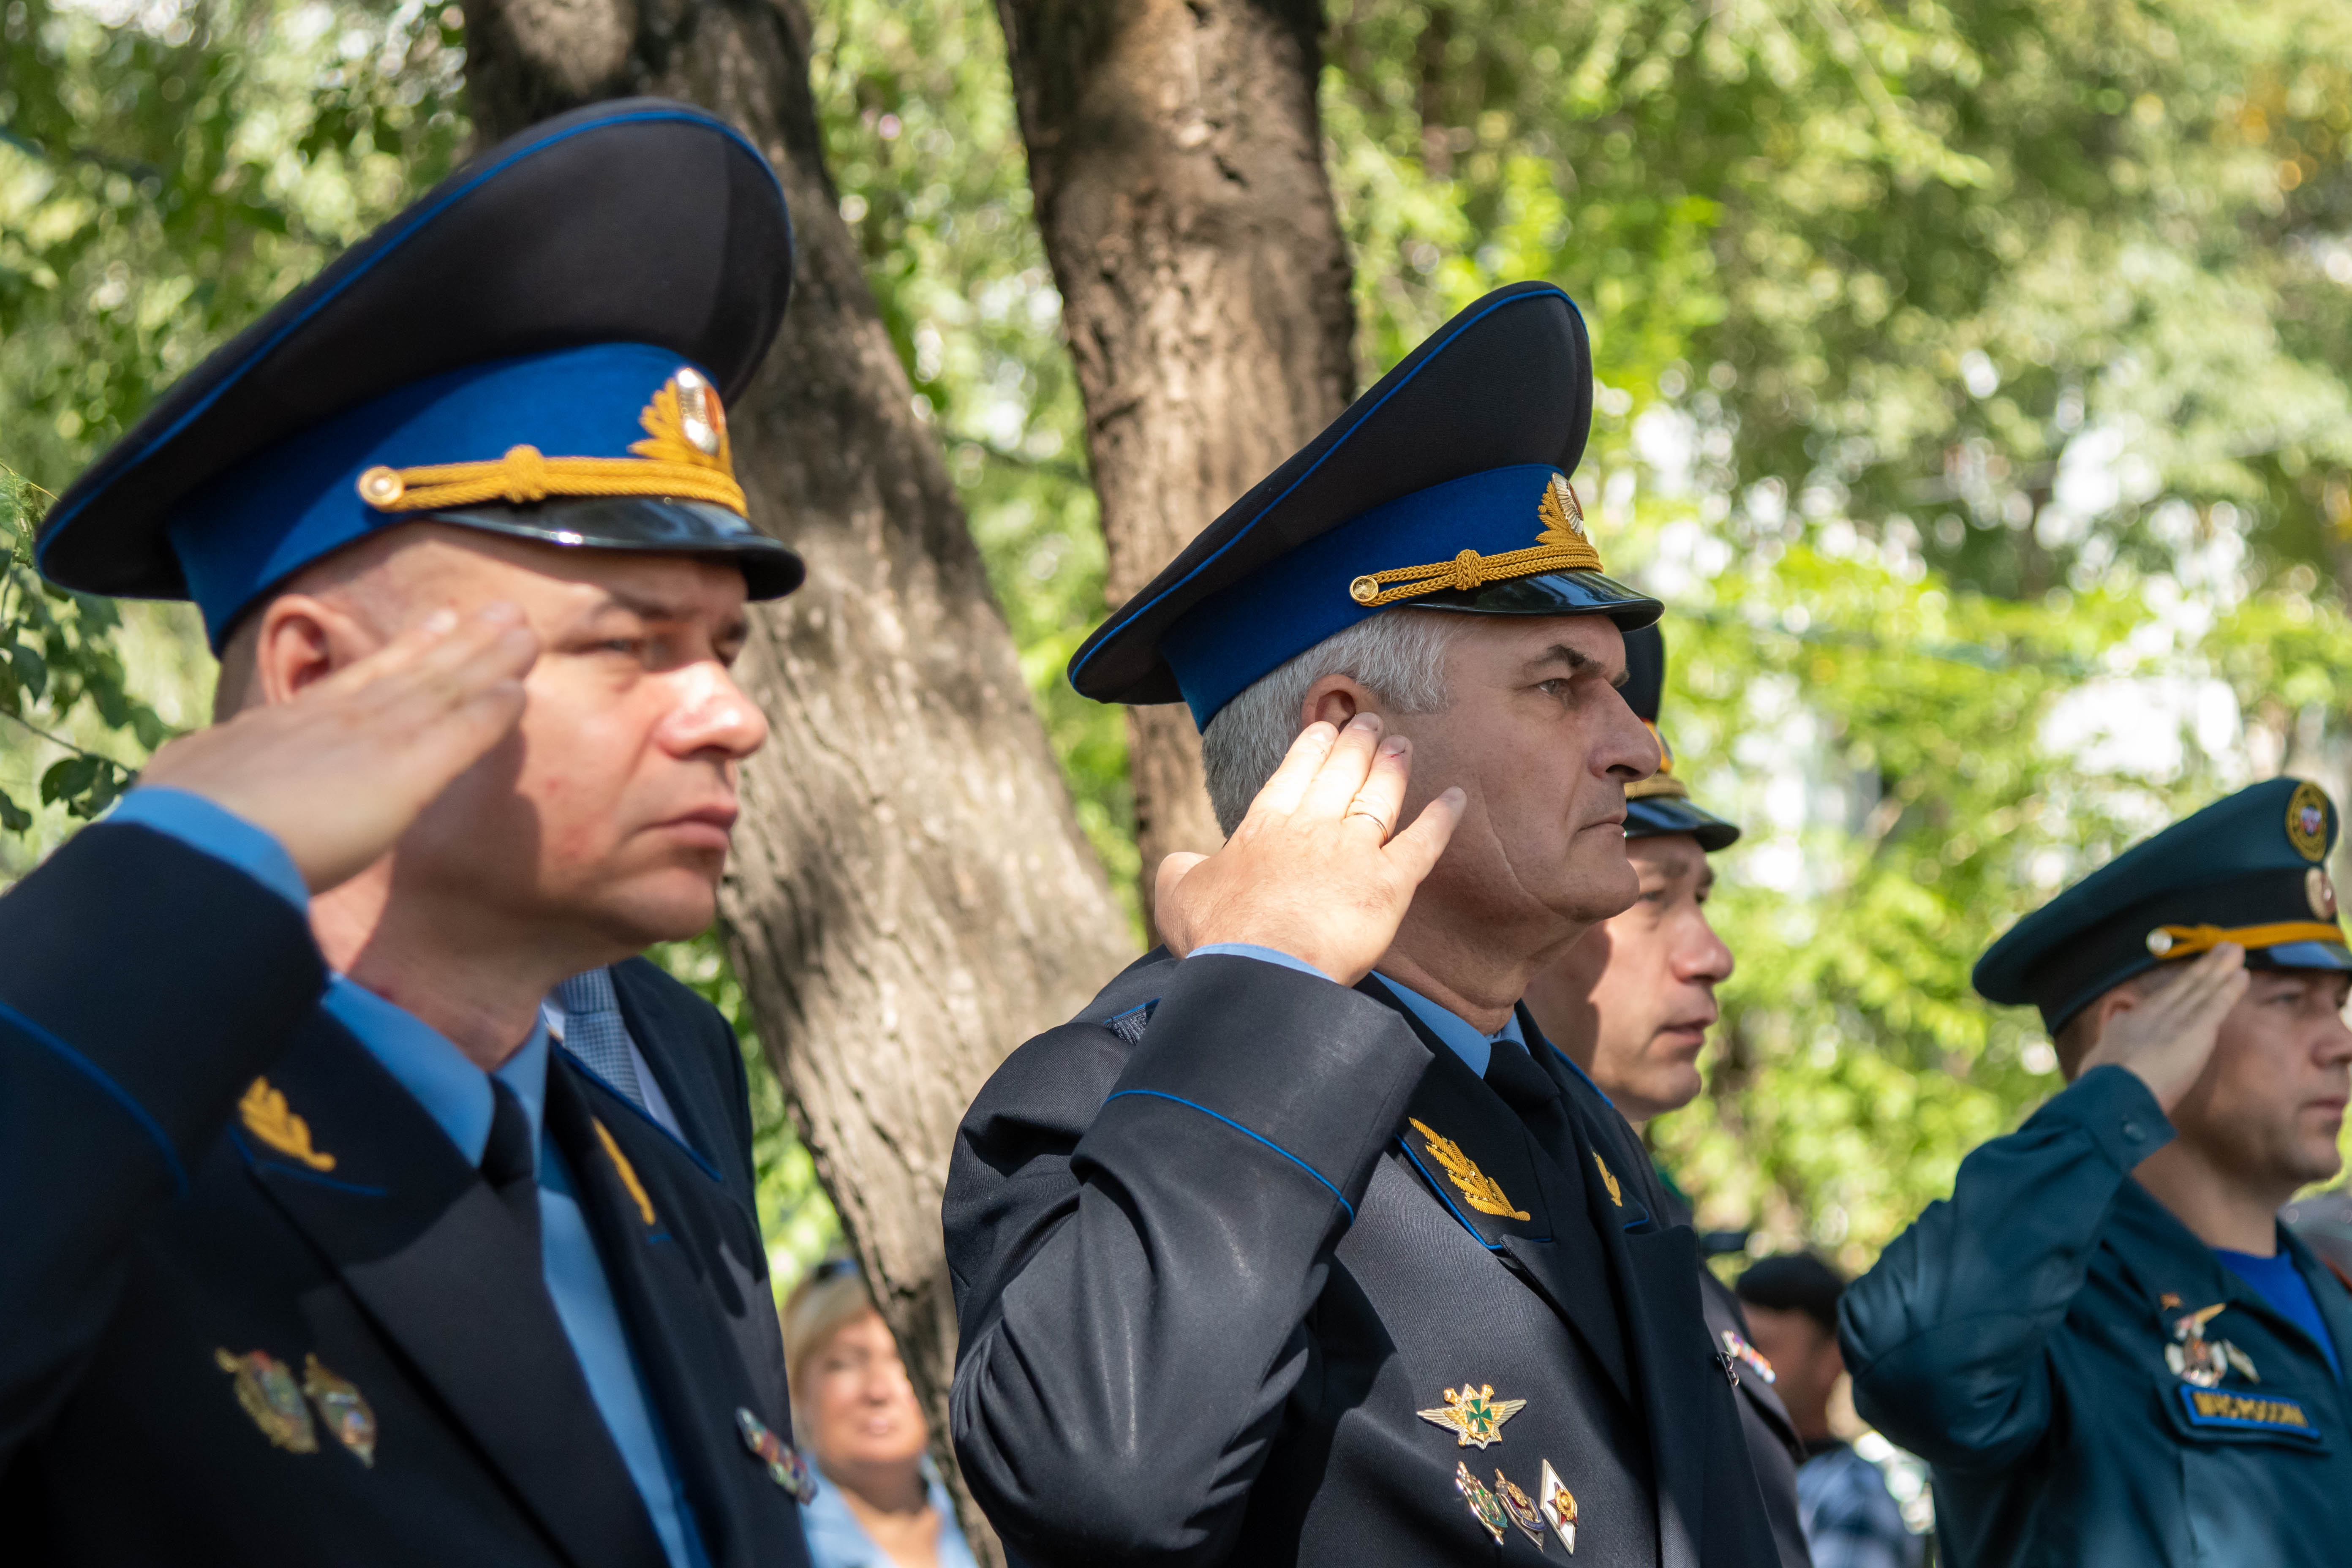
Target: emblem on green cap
2307	821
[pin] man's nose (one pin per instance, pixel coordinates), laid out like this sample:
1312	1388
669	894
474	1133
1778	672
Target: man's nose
1630	750
1704	955
711	713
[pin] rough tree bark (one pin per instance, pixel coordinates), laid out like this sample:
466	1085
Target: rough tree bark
1177	159
910	895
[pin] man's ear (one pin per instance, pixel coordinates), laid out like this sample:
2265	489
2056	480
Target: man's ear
1335	700
301	639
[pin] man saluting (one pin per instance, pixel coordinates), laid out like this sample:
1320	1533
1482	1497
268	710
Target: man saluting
1293	1248
317	1254
2105	1344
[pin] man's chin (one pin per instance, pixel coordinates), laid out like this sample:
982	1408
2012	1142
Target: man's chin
674	907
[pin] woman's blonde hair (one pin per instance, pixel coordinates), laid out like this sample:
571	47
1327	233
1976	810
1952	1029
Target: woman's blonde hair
828	1297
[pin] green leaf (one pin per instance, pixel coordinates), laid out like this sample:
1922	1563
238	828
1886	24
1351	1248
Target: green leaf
14	818
69	780
31	668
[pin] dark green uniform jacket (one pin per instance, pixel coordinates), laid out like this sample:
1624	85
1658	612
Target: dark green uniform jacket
2015	1337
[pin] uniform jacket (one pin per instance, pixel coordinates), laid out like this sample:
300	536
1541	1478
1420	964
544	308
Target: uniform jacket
2015	1337
1208	1271
1771	1436
157	1237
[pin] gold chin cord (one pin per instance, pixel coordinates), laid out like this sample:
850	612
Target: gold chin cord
2171	943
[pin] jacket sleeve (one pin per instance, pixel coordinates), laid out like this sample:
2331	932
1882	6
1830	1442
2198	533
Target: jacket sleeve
1135	1240
1947	1338
143	984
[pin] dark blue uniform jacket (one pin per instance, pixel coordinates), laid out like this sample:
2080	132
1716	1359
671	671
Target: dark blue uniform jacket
1208	1272
143	986
2015	1337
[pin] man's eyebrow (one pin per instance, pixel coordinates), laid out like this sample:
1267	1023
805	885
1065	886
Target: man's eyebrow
1575	659
640	605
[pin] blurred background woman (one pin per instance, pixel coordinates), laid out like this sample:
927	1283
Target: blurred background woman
879	1503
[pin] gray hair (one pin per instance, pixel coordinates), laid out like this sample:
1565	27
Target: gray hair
1398	655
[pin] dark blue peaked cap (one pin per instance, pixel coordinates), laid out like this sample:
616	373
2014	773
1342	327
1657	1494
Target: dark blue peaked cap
2250	870
1661	805
542	346
1443	487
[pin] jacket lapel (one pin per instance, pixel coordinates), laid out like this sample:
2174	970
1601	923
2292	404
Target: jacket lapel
1553	1250
448	1275
1696	1440
689	1274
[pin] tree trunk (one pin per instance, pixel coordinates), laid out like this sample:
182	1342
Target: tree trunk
910	894
1177	162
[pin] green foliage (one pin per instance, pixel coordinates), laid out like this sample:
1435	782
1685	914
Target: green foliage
1971	389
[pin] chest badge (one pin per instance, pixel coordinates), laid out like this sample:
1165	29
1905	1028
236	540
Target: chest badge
785	1467
1474	1415
344	1409
2204	1362
1478	1189
270	1396
1521	1507
1558	1505
1740	1350
1481	1502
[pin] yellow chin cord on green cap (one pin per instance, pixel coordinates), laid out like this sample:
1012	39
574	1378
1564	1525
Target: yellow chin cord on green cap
2171	943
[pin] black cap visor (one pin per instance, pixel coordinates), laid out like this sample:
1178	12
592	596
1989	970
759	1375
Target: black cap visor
650	525
1660	815
1548	594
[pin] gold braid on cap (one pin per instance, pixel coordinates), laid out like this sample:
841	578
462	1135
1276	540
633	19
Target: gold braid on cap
1561	546
685	457
2171	943
1663	781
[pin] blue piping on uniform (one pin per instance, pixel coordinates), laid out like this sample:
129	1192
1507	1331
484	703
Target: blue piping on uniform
278	1167
56	525
642	1114
1104	636
1258	1137
97	1075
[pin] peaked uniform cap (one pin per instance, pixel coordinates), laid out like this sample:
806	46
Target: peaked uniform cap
2250	868
639	227
1454	454
1661	805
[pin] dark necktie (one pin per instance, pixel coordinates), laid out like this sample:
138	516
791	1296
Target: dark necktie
1526	1088
509	1164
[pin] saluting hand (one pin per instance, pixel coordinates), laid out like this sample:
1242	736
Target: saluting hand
1316	869
340	772
2168	1038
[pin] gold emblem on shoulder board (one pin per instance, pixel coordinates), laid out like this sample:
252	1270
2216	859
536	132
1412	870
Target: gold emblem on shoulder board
1481	1502
270	1396
345	1410
1558	1506
1609	1179
1478	1189
267	1118
1474	1415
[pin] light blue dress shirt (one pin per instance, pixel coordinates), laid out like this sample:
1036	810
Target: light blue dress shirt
457	1094
1476	1048
836	1539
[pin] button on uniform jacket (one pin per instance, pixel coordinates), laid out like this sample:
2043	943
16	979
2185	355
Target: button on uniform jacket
1210	1265
2015	1337
158	1239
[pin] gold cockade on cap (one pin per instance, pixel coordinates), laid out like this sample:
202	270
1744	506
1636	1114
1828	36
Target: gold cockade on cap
1561	545
1478	1189
686	456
